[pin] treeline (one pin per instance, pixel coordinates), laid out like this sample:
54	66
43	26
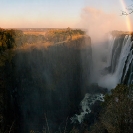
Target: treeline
58	35
7	38
12	38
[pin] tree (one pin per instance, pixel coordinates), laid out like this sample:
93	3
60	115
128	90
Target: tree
129	10
117	115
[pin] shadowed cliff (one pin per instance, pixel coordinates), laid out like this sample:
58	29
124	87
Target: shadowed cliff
44	82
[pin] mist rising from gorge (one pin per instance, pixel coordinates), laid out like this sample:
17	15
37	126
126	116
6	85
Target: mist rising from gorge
97	22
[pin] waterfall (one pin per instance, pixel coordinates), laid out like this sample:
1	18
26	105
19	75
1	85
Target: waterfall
129	60
118	53
123	56
110	47
116	66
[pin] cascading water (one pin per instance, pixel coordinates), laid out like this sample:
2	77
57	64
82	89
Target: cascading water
127	77
123	56
129	59
117	63
85	104
110	47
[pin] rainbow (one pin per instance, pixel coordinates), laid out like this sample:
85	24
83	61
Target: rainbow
128	20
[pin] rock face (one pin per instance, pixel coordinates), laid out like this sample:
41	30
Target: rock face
47	84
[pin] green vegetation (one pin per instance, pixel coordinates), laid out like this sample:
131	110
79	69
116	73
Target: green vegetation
121	33
117	114
7	39
59	35
10	38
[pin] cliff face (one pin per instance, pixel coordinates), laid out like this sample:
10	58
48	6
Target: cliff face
46	83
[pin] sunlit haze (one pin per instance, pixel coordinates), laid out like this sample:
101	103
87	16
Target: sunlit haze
61	61
103	14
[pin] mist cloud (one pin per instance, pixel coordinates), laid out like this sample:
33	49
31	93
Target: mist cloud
98	22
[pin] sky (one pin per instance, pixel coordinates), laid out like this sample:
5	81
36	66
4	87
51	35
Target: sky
64	13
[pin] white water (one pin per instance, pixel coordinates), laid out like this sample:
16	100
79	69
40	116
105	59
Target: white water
123	56
130	58
110	80
85	104
125	39
130	80
110	48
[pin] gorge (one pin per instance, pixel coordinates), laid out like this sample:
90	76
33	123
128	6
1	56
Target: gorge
44	78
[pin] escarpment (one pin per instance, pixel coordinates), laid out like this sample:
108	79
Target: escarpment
45	76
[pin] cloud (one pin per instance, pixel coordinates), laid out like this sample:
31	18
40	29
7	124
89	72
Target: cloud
98	22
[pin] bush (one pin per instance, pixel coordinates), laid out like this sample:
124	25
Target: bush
117	115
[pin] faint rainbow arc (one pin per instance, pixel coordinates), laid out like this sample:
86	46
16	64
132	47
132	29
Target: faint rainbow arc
128	21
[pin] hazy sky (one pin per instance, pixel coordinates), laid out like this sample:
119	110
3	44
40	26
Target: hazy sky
59	13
